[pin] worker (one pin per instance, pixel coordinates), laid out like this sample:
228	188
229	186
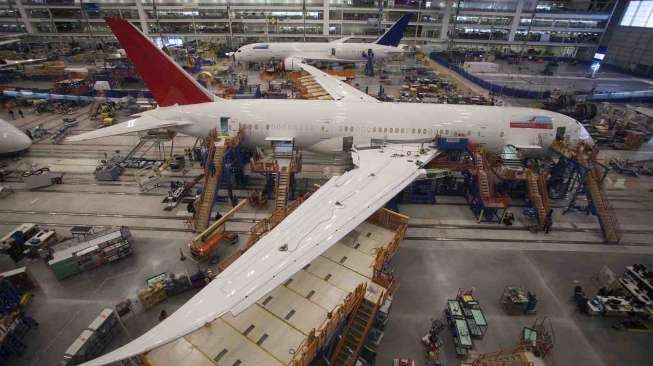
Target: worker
20	112
548	221
27	320
182	257
212	168
11	113
163	315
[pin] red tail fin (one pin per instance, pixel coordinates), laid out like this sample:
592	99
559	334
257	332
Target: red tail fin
168	82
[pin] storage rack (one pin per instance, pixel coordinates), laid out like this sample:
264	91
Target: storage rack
104	248
93	339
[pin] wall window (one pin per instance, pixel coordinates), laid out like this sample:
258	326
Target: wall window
638	14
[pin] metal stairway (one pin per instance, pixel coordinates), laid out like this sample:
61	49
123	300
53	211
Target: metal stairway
354	334
282	186
216	151
94	109
590	176
536	196
604	211
485	183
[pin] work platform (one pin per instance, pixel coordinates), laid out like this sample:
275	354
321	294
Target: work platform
280	169
293	323
217	166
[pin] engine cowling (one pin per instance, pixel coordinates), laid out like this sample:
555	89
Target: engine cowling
291	64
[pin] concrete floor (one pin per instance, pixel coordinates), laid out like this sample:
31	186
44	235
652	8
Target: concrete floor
451	252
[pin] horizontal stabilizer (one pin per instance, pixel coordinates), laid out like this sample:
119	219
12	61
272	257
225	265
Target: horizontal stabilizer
142	123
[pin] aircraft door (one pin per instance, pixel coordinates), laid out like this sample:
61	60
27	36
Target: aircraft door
560	133
333	52
347	143
224	126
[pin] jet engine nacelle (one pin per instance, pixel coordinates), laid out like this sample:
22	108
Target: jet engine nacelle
333	145
291	64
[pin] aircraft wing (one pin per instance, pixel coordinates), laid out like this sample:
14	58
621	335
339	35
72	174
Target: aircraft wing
142	123
338	89
13	63
341	40
325	217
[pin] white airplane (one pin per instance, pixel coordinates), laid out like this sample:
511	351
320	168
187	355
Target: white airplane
351	121
8	64
12	140
335	51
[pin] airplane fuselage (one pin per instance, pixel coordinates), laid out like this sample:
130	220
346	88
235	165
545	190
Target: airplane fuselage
331	127
333	51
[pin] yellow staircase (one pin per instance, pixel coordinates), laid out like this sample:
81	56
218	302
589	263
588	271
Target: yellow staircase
604	210
535	196
282	186
485	183
585	157
203	211
93	110
354	335
544	190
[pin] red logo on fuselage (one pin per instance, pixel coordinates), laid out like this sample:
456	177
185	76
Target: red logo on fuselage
539	122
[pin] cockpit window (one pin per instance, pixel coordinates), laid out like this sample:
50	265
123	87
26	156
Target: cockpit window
239	51
261	46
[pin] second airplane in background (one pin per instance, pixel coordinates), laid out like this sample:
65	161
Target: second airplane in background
336	51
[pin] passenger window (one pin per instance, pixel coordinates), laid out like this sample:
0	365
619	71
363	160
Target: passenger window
385	129
402	130
413	131
256	126
419	131
374	129
446	132
267	126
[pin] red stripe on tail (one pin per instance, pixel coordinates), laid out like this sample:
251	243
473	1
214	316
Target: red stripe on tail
168	82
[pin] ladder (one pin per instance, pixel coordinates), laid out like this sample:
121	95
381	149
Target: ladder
535	195
590	178
544	190
282	186
205	206
354	334
483	179
93	111
133	151
604	211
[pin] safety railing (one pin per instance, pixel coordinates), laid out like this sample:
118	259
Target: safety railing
316	339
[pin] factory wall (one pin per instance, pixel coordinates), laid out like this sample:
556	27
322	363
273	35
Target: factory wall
630	48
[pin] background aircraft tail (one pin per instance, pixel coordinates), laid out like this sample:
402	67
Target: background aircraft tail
168	82
393	36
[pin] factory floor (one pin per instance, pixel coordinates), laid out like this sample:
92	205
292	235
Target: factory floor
448	251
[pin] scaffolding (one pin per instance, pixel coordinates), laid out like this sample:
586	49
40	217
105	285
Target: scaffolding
280	170
586	176
217	166
485	202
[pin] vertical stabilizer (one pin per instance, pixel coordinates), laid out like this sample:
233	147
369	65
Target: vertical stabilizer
168	82
393	36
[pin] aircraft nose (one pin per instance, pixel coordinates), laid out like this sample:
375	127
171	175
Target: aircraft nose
585	136
23	141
